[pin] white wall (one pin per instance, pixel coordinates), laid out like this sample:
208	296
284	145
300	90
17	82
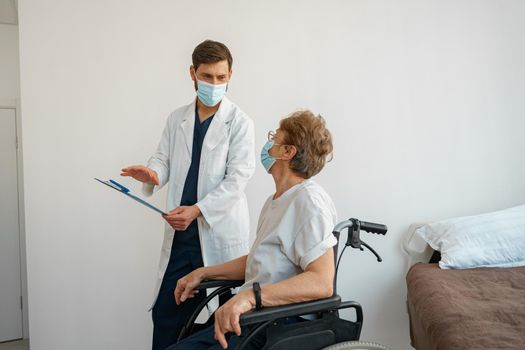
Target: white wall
424	99
9	77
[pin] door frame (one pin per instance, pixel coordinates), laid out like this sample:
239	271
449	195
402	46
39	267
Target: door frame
14	104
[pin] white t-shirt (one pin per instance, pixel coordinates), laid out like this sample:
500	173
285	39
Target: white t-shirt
293	231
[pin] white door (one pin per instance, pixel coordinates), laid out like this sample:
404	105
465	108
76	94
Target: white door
10	284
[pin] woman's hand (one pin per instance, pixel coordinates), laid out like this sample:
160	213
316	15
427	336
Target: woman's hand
227	316
186	285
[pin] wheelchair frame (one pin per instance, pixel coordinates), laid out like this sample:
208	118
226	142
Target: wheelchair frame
327	308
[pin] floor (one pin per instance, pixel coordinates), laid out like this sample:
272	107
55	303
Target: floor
15	345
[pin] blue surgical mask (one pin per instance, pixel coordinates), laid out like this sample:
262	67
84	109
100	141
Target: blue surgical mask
266	159
210	94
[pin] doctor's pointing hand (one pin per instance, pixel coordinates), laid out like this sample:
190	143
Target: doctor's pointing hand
141	173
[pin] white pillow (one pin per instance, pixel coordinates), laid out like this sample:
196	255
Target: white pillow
489	240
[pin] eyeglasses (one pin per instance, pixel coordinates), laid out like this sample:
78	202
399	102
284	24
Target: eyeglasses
271	138
271	135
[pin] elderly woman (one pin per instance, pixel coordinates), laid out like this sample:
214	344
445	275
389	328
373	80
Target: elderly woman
292	257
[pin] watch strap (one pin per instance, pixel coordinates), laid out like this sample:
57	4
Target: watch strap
257	292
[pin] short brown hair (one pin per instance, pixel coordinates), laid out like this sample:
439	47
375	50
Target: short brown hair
308	133
210	51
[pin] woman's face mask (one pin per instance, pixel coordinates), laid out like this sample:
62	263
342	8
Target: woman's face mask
266	159
210	94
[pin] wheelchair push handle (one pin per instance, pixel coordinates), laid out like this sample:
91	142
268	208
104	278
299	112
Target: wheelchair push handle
370	227
354	227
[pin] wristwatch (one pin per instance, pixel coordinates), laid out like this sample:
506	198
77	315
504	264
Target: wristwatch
257	292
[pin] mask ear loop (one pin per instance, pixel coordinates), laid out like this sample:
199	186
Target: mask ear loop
279	144
275	144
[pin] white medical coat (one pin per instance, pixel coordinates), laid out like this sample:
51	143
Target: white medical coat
227	163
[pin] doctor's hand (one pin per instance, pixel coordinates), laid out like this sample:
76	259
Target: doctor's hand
181	217
227	316
186	285
142	174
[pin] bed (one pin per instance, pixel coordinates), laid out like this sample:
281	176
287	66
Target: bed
482	308
456	308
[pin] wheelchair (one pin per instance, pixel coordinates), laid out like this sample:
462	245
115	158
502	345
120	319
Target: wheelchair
326	330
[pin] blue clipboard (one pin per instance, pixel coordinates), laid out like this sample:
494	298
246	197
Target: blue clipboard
118	187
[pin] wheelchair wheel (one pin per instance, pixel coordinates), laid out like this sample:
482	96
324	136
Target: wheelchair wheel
357	345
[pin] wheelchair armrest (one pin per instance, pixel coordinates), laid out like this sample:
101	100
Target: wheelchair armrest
298	309
207	284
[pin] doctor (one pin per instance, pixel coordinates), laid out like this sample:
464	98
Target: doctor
206	156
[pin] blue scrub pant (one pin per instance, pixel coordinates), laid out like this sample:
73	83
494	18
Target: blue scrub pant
168	317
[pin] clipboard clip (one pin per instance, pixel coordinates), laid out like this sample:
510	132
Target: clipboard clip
122	188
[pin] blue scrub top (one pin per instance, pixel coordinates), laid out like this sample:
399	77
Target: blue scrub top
188	240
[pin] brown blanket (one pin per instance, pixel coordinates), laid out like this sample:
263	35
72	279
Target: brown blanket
466	309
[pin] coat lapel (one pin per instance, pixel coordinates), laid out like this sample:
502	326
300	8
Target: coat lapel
218	129
187	125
